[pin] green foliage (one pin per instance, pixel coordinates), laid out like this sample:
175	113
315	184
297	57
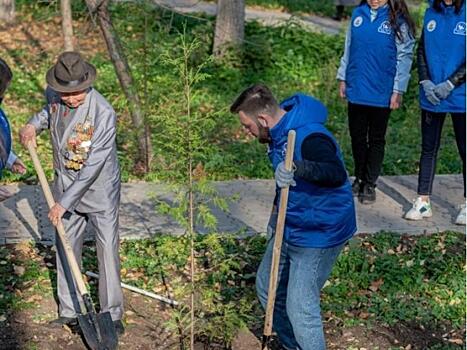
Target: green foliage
390	278
12	281
401	279
287	58
379	279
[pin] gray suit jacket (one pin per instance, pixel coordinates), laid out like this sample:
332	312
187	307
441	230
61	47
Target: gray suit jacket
96	186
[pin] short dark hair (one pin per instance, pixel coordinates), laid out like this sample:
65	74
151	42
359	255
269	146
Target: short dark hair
255	100
457	5
5	76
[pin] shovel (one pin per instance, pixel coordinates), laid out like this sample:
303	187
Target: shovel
98	329
276	253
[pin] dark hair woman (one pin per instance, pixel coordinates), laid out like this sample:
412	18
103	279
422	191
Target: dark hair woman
373	74
441	69
8	159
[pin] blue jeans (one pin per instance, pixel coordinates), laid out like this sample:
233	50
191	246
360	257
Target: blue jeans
297	311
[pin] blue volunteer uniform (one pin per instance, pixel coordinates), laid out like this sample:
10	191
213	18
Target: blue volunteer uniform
444	38
317	217
5	140
372	58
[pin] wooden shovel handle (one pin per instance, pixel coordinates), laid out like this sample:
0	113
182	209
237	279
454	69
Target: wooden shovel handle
278	238
70	256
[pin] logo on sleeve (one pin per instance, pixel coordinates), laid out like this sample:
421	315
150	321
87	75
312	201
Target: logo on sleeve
357	22
385	28
460	28
431	25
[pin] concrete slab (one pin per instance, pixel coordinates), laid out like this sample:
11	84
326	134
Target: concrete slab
24	216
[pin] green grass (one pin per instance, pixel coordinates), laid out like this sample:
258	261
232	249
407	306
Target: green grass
288	59
392	279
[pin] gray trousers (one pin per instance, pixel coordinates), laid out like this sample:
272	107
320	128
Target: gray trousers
107	243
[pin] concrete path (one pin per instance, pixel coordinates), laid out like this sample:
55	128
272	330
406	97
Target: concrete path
267	17
24	216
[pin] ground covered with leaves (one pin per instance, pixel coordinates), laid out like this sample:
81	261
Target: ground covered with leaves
386	292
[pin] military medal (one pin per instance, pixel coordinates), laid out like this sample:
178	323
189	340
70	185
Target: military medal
78	145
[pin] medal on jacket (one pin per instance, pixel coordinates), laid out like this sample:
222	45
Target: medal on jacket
78	146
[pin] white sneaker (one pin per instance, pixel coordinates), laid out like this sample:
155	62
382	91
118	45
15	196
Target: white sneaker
421	209
460	220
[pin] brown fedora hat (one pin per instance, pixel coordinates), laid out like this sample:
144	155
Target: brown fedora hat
71	73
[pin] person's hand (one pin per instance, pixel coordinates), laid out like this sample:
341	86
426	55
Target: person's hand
396	100
442	90
4	194
56	213
18	167
27	135
429	89
284	177
342	87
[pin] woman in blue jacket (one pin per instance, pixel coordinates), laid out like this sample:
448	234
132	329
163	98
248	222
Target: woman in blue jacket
7	158
374	73
441	69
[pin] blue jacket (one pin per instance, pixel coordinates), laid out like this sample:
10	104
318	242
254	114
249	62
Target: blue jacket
372	58
5	140
444	38
317	217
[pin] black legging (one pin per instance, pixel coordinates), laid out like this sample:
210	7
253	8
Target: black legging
432	126
367	126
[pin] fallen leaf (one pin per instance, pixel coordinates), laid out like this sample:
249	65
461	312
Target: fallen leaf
456	341
364	315
2	318
375	285
130	321
19	270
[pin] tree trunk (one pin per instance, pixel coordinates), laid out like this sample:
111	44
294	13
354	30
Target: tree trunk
230	25
126	81
7	10
67	25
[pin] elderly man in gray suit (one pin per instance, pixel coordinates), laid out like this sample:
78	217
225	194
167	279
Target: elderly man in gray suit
86	187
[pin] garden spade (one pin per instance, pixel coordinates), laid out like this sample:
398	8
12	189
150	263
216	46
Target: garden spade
276	253
98	329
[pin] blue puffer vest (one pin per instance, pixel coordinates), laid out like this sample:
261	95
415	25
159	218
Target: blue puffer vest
444	37
317	217
5	140
372	58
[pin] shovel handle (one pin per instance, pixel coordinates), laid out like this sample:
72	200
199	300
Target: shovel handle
278	241
70	255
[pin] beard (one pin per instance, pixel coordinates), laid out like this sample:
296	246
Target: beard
264	135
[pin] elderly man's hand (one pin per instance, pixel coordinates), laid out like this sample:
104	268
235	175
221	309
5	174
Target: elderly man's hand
27	135
56	213
18	167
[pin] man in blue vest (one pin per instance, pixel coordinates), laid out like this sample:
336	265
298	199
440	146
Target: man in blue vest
320	211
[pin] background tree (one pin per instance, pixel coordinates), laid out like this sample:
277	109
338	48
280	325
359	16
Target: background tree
144	155
7	10
230	25
67	25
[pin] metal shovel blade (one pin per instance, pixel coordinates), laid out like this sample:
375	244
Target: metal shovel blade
98	331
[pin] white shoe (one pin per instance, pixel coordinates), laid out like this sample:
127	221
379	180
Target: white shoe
460	220
421	209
